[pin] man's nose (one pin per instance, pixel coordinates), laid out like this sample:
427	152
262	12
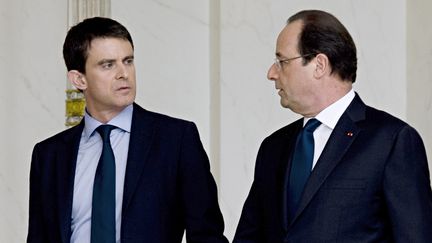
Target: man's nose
122	72
272	73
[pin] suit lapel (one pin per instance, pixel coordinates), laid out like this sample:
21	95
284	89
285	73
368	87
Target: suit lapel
340	140
141	137
65	172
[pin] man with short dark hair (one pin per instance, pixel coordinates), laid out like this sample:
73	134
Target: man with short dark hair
124	174
345	172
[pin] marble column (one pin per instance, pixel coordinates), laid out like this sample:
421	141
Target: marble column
419	72
79	10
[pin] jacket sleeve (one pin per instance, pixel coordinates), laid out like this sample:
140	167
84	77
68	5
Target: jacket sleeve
250	227
407	189
203	218
35	226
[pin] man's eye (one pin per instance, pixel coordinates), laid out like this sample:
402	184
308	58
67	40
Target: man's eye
107	65
129	61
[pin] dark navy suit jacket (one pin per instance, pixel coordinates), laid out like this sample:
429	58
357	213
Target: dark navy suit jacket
168	185
370	184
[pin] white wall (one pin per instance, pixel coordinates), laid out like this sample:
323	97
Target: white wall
250	104
206	61
31	98
419	71
172	56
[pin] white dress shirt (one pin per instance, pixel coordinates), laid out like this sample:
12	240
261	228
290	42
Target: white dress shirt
89	152
328	118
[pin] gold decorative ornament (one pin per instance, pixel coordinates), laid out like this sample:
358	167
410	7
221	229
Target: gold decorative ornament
75	105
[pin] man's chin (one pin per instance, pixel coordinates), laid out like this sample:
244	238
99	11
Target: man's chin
284	104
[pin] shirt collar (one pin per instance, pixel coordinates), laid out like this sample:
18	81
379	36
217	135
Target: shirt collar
123	121
330	115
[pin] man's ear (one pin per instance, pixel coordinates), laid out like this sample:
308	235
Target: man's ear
322	66
77	79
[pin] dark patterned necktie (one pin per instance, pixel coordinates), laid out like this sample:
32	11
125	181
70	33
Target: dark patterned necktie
301	165
103	225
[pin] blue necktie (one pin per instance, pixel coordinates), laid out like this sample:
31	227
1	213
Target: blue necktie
301	165
103	225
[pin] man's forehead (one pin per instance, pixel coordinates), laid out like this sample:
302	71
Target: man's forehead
291	31
288	39
105	45
105	40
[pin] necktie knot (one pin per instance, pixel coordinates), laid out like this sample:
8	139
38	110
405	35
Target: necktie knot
311	125
105	131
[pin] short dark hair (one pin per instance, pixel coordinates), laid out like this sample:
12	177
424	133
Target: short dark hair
323	33
80	36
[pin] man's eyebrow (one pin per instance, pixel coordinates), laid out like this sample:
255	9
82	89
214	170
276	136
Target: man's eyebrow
129	57
103	61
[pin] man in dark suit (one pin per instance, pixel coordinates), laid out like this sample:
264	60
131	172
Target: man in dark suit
162	185
368	177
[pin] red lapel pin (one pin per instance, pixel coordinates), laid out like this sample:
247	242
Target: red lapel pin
349	134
